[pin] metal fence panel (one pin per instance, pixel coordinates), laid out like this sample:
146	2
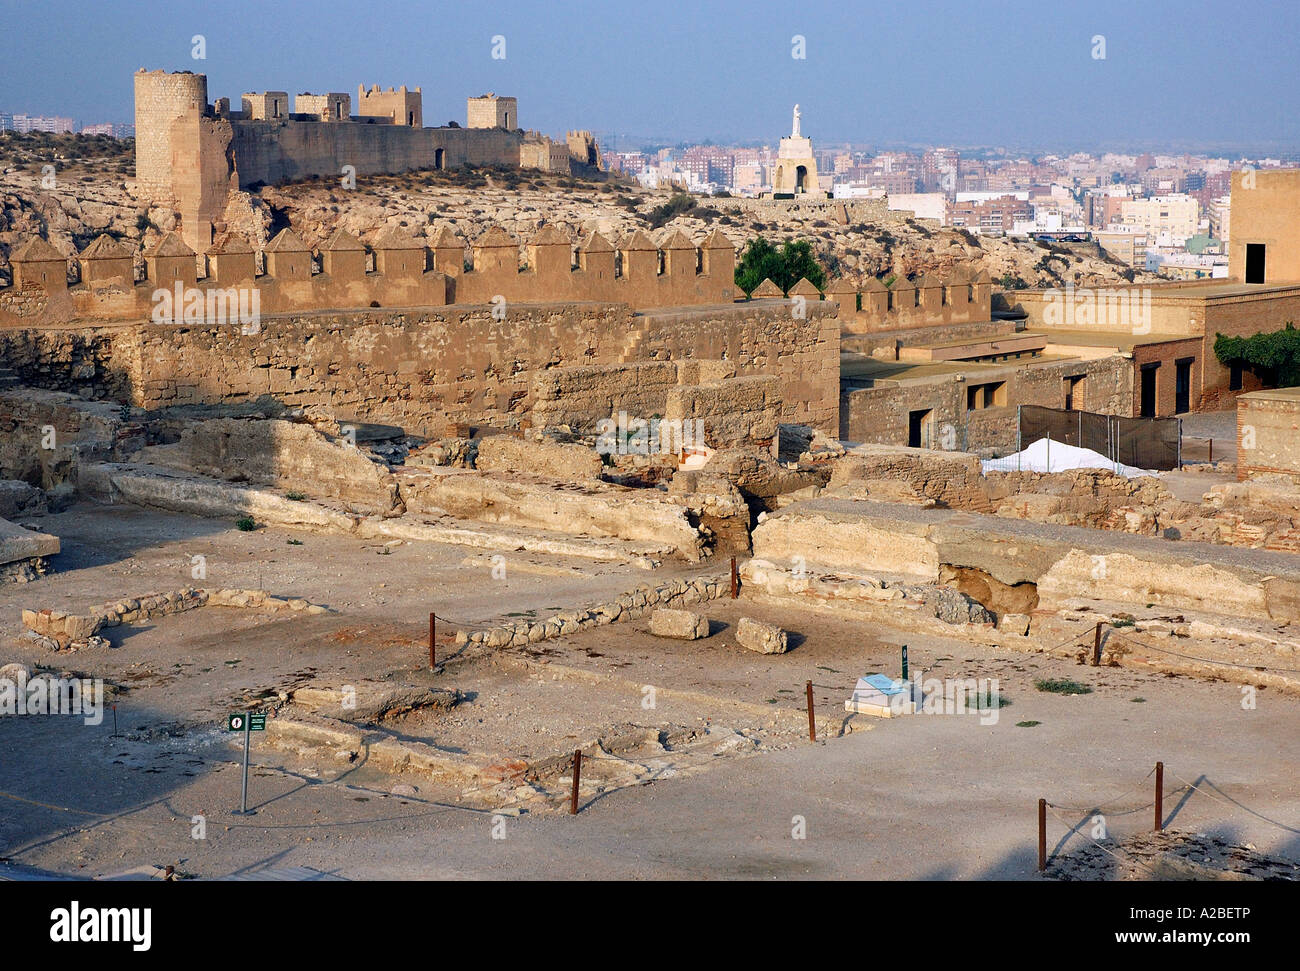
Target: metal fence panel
1146	443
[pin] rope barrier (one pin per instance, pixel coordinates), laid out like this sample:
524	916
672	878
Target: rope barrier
1203	660
1076	829
1228	801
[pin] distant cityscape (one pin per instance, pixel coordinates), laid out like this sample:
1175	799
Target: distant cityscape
60	125
1167	214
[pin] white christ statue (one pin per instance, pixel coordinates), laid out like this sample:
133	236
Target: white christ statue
795	132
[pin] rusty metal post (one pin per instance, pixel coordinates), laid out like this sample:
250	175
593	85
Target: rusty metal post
812	721
1160	796
1211	451
1042	835
433	633
735	580
577	773
1096	646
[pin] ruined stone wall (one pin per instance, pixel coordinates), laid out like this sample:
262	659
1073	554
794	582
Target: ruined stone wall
760	337
426	369
46	435
1268	433
951	479
580	396
293	455
274	152
92	362
23	303
741	412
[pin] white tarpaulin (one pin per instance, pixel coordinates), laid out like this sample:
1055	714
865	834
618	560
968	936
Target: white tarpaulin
1049	456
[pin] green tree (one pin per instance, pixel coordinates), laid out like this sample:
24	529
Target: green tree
785	266
1276	354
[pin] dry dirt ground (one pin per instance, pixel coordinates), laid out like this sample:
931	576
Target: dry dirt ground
698	761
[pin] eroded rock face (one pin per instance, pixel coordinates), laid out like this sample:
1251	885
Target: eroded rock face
761	637
19	498
597	510
1014	624
717	505
683	624
294	455
761	478
452	452
540	457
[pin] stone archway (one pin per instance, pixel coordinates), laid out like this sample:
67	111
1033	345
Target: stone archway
801	179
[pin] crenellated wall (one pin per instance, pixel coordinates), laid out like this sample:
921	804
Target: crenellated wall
930	301
640	273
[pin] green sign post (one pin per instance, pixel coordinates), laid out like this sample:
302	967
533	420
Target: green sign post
246	722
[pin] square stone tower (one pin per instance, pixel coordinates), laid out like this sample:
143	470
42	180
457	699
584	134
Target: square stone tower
401	107
323	107
491	111
266	106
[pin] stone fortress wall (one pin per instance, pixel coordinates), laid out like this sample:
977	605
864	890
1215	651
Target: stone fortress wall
433	368
190	154
396	272
430	343
927	302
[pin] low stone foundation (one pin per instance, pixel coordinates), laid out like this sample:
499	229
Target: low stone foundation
635	603
71	630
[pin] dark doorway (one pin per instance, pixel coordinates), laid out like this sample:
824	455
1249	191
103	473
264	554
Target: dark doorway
1147	400
801	179
439	158
1074	392
918	429
1254	262
1183	386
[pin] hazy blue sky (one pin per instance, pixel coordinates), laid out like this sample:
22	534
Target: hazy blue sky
1014	73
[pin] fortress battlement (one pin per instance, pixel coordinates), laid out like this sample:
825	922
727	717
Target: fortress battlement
190	154
393	272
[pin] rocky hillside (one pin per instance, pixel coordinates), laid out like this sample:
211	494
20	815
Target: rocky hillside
94	195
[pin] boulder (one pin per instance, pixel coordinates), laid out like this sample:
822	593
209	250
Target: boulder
1014	624
761	637
684	624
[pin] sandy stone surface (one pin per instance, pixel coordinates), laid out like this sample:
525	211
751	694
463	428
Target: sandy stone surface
701	774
